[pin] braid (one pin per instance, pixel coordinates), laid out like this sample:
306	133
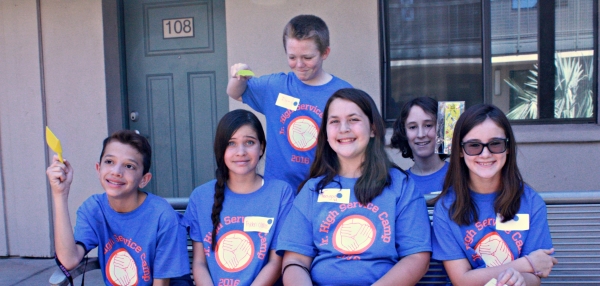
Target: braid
217	205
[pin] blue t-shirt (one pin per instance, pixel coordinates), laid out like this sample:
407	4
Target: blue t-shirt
135	247
354	244
432	183
481	243
292	135
250	224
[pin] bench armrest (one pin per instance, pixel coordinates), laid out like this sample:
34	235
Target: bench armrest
59	279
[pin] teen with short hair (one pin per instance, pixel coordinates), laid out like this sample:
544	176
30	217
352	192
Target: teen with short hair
415	136
139	236
292	103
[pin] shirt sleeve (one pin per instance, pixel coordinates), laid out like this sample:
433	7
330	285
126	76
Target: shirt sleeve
538	236
297	231
413	233
84	233
171	258
445	246
191	220
256	92
287	200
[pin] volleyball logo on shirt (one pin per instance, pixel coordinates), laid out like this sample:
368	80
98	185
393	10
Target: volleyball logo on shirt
354	235
234	251
121	268
493	250
302	133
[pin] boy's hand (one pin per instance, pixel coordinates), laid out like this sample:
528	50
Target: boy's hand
238	67
60	176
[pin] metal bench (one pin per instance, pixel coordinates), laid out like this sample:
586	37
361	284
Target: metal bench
574	219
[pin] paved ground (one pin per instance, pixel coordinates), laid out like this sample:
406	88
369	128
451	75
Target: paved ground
37	271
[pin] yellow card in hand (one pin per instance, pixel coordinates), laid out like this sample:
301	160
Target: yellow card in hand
54	143
245	73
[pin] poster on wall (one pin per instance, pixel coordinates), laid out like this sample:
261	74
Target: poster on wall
448	114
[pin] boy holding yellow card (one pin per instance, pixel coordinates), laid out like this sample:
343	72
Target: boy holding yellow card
139	236
292	103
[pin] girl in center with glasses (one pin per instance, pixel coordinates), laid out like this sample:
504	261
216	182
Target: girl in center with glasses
487	222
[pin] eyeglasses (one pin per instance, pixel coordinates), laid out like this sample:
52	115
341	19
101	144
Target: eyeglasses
496	146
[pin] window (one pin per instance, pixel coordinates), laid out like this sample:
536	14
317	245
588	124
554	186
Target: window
494	52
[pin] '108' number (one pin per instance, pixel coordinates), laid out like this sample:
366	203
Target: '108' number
178	28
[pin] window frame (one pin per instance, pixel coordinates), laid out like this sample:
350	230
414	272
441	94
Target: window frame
546	54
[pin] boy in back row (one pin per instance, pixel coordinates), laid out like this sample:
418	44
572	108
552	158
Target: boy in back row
139	236
293	103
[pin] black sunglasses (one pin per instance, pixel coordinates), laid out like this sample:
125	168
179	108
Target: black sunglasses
496	146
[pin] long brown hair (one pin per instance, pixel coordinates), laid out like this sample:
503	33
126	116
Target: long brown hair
463	210
229	124
376	166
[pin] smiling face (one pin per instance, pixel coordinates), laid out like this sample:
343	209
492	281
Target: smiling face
120	170
305	60
420	132
485	168
243	152
348	132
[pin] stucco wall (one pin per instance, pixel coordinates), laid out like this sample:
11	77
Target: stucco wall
26	210
71	99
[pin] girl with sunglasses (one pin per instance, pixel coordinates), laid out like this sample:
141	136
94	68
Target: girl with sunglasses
487	222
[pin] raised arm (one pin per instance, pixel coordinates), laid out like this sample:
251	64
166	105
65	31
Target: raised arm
61	176
237	84
296	269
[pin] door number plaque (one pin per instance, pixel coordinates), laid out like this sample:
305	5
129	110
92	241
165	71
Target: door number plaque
178	28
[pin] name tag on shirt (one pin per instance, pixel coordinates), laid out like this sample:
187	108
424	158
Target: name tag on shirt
340	196
258	224
287	101
520	222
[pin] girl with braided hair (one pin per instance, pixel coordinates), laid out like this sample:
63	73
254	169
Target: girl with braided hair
235	219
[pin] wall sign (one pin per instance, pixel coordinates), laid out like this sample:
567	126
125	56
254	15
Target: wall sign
178	28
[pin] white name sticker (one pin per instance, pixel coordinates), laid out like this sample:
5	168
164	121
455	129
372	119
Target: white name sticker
334	196
287	101
520	222
258	224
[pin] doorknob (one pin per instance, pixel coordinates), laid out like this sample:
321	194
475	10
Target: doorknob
134	116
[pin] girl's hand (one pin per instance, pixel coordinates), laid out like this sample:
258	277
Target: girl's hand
542	262
60	176
238	67
511	277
